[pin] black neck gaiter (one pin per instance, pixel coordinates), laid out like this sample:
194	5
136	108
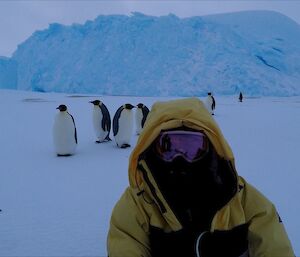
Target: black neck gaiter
194	191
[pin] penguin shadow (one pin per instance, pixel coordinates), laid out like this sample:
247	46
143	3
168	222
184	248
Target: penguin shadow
64	155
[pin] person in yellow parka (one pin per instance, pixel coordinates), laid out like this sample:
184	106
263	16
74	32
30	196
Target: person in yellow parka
185	197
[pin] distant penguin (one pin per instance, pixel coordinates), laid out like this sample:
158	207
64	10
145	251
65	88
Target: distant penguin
64	132
210	103
141	114
101	121
123	125
241	97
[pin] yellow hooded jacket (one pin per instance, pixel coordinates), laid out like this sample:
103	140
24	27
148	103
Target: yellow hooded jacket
135	212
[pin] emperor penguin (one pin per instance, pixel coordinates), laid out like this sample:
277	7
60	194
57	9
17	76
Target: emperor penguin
101	121
64	132
210	103
241	97
123	125
141	114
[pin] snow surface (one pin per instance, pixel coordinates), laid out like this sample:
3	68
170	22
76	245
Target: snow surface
53	206
257	52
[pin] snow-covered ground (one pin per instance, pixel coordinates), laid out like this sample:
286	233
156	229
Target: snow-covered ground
54	206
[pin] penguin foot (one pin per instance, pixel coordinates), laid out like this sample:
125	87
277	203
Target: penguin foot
103	141
125	145
107	139
63	155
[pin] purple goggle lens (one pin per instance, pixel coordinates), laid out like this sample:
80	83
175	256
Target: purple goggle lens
191	145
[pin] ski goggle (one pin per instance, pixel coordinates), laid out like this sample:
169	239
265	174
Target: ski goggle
191	145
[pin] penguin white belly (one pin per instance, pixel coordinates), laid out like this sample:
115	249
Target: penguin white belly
125	128
64	134
138	121
97	120
208	104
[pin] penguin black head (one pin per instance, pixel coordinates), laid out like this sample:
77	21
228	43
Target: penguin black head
62	108
209	93
96	102
140	105
128	106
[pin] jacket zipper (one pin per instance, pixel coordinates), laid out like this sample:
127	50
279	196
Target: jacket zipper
152	189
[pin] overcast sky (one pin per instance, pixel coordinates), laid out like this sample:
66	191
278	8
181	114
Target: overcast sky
19	19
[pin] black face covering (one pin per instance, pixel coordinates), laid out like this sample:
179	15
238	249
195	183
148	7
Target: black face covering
194	191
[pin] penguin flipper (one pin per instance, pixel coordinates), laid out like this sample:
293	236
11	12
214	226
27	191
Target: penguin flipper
116	120
106	120
75	133
145	112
